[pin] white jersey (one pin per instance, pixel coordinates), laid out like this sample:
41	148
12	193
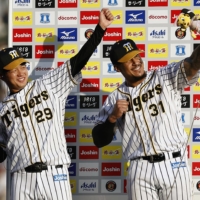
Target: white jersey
34	120
153	123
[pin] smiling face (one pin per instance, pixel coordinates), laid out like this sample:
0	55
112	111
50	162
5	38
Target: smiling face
17	78
132	70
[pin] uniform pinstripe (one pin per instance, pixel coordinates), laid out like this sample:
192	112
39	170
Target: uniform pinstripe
31	141
153	125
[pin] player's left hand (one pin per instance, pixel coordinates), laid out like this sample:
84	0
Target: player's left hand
105	18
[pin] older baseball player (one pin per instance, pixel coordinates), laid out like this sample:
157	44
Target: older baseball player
33	119
146	109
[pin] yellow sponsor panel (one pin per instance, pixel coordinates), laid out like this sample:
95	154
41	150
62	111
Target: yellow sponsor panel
85	135
196	12
136	33
187	130
158	50
181	3
22	18
110	84
70	119
44	34
73	185
90	3
112	152
91	68
118	16
125	168
196	151
67	51
196	86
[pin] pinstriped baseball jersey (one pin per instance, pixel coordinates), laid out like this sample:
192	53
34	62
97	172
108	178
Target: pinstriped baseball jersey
153	123
34	118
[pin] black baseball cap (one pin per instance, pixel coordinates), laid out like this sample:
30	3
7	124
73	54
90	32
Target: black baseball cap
10	58
123	51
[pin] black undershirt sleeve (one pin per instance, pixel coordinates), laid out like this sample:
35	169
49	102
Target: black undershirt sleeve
3	155
103	133
81	58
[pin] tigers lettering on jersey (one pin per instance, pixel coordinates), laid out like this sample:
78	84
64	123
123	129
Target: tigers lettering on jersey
23	110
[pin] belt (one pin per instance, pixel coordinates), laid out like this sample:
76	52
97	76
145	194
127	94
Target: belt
158	158
39	167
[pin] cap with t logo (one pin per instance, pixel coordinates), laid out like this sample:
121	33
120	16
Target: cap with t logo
123	51
10	58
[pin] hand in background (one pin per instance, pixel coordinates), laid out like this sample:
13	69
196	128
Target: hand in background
105	18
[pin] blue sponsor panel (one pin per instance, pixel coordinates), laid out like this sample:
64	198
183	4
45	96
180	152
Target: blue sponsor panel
71	102
196	135
67	34
196	2
72	169
135	17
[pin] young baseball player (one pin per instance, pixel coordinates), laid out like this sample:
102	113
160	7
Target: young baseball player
33	119
146	109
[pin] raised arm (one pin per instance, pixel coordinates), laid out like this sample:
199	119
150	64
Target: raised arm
80	60
192	64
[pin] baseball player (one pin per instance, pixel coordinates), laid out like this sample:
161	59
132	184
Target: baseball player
146	109
33	119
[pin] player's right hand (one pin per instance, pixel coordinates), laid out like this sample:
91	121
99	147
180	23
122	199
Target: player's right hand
105	18
120	108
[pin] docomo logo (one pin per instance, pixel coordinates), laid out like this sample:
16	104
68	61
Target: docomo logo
196	168
85	169
158	17
67	18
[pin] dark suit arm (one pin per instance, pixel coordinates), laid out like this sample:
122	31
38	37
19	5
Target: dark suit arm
103	133
3	155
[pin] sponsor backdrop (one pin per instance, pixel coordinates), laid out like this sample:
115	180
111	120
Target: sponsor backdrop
48	32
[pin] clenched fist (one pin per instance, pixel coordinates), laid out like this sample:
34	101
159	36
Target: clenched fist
105	18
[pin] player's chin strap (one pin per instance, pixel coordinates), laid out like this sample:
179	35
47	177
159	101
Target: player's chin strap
184	150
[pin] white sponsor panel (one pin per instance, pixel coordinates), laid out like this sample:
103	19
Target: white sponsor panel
96	53
88	186
22	4
180	50
157	33
196	118
88	169
173	36
75	89
104	188
113	3
88	118
158	16
196	185
82	33
45	18
67	18
42	68
108	69
185	117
